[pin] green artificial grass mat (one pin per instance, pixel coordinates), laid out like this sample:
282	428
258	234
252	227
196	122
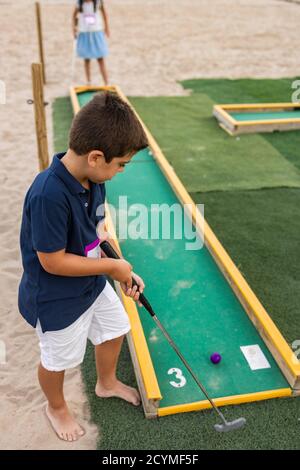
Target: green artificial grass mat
259	229
205	157
244	90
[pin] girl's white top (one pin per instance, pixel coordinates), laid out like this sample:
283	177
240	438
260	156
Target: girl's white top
90	20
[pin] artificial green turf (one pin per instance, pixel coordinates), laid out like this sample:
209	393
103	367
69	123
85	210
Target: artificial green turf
243	90
205	157
259	229
62	119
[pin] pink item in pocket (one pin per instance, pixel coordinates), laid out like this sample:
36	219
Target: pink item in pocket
93	249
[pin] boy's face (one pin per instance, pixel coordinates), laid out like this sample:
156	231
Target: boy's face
99	170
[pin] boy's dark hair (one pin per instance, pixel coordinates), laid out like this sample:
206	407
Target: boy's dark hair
108	124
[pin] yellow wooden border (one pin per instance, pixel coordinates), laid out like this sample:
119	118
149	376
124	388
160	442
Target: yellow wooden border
223	110
268	121
259	105
225	263
219	109
232	400
74	99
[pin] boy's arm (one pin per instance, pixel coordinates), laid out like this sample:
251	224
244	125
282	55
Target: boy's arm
61	263
49	217
105	19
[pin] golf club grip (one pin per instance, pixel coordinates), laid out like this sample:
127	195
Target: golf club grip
111	253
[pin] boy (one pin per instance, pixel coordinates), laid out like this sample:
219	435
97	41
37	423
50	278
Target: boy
63	292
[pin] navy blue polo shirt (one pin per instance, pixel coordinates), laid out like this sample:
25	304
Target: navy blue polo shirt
59	213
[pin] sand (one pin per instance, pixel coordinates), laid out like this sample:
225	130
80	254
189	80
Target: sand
153	45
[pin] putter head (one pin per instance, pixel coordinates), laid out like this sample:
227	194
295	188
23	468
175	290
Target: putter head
236	424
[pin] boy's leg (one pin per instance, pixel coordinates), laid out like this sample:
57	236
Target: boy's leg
103	70
87	68
57	411
108	385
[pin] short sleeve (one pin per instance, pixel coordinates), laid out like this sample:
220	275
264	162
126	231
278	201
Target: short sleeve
103	192
49	224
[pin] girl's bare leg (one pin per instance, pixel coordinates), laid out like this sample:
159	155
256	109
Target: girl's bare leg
87	68
103	70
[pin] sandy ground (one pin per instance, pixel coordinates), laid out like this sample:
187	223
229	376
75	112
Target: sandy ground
153	44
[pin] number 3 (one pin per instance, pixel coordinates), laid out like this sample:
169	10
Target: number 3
179	376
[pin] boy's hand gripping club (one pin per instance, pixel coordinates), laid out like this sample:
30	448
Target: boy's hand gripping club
111	253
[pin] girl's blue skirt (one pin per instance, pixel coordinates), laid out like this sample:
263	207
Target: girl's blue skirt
92	45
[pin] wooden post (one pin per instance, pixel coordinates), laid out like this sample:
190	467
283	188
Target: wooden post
40	118
40	38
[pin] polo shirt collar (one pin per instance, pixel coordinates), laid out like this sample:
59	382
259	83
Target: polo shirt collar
59	169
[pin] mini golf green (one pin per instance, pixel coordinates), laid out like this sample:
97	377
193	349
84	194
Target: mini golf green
191	298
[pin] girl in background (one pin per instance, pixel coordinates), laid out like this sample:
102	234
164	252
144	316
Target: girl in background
90	26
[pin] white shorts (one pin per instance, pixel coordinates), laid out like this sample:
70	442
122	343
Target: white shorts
104	320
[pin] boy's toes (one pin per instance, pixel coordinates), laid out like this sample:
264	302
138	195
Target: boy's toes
64	424
137	401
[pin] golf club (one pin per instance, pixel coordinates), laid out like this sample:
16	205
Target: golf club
226	426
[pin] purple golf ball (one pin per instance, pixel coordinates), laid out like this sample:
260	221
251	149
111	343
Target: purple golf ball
215	358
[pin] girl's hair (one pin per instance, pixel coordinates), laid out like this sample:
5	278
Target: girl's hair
81	3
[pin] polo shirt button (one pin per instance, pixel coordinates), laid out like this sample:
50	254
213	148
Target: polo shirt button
86	204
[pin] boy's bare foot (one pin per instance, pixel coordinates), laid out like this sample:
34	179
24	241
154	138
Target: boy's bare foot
64	424
119	390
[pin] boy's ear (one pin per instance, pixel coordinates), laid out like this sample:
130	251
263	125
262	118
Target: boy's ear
94	157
